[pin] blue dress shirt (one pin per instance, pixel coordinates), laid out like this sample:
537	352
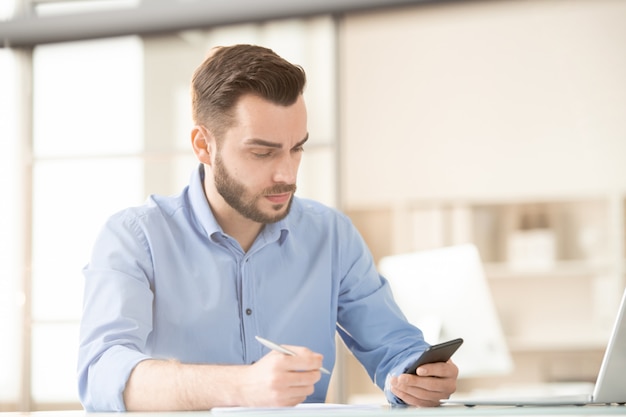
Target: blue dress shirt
164	281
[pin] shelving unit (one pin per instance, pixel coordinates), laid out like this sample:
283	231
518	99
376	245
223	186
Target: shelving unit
572	241
555	267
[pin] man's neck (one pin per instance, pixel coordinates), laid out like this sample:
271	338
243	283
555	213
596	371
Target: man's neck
240	228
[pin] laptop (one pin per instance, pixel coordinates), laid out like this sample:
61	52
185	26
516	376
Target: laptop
610	386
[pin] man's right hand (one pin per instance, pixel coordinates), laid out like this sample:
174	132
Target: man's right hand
281	380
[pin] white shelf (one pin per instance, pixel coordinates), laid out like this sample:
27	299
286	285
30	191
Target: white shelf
589	342
560	269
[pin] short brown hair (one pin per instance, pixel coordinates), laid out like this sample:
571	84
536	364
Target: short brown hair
231	72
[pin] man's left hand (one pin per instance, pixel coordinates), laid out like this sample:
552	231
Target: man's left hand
434	382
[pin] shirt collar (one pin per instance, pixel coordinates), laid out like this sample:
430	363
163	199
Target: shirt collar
200	205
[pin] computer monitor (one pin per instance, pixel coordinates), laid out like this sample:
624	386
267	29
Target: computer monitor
445	293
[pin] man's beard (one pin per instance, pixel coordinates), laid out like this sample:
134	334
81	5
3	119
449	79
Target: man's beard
236	195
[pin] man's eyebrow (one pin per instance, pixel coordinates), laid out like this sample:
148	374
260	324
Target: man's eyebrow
263	142
302	141
270	144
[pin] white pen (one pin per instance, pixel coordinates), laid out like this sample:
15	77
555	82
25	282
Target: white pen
282	349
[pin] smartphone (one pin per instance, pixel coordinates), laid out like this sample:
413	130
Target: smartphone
436	353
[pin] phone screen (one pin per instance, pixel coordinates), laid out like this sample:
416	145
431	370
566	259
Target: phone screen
436	353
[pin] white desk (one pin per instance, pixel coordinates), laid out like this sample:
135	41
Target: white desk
445	411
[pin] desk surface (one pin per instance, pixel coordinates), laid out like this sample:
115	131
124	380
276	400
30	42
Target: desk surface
358	411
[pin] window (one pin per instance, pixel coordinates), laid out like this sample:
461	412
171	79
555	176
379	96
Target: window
11	295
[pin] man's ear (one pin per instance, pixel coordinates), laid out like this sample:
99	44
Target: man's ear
203	144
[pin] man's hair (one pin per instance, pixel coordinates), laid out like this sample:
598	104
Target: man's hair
231	72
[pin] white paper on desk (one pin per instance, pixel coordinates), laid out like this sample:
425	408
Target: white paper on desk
300	408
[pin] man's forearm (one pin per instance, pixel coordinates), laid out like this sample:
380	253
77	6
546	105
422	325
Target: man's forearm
159	385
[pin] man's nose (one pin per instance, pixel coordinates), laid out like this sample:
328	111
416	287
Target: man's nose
286	170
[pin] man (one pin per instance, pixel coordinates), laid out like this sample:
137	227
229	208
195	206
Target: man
177	289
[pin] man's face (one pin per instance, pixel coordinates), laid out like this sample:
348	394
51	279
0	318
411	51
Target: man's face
255	168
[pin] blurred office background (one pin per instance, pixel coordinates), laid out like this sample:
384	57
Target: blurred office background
433	123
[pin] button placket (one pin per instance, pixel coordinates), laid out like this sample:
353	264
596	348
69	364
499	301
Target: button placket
249	324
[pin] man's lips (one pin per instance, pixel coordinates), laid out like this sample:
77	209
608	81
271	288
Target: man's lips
278	198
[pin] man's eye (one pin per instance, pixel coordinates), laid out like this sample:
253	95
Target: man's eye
262	154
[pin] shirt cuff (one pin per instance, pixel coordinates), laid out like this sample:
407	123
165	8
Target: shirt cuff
108	377
391	397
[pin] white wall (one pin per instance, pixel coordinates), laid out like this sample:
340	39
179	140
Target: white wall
484	99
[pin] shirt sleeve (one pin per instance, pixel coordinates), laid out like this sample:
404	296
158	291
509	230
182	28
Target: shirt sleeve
117	314
369	321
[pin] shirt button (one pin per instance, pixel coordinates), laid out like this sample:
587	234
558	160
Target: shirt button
248	311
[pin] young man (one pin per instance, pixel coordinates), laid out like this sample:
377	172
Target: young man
176	290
